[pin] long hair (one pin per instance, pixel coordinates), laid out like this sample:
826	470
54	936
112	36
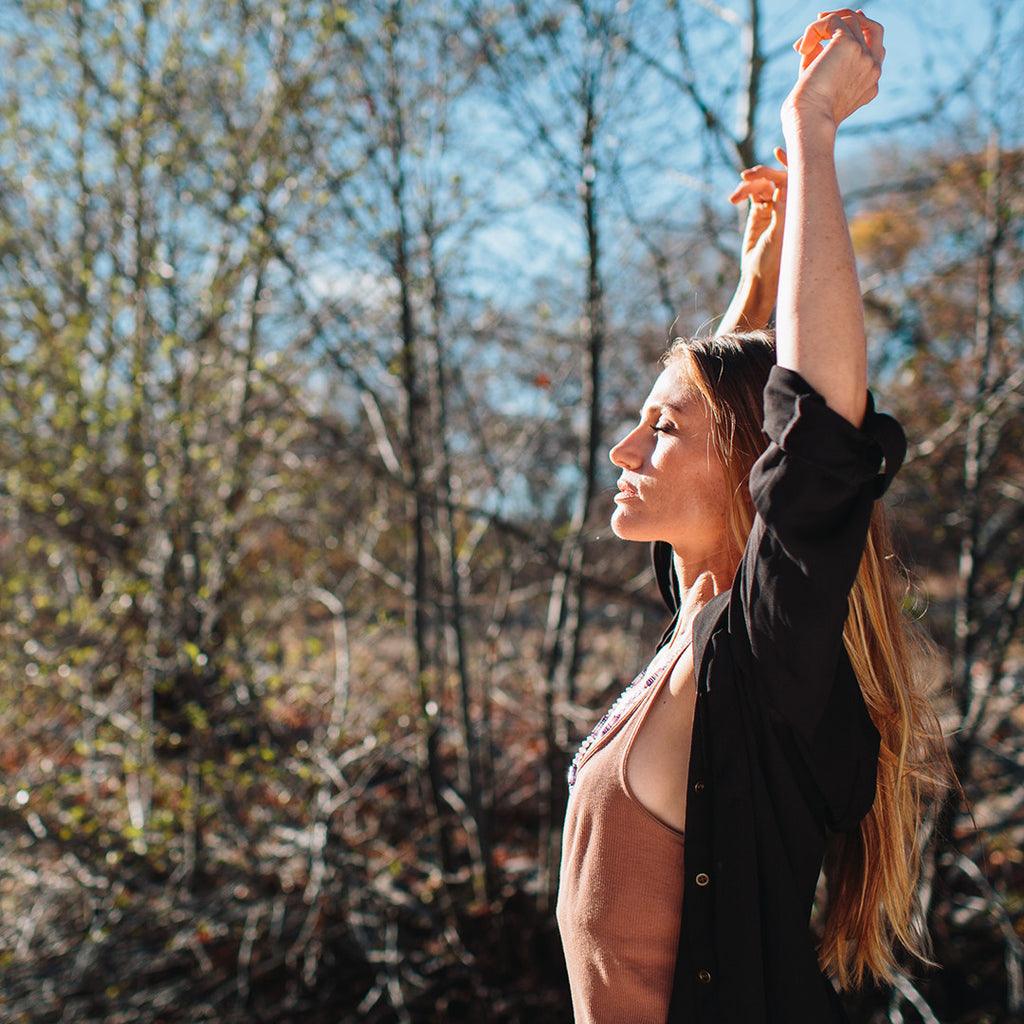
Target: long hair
871	873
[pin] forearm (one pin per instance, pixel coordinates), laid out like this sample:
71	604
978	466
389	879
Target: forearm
819	320
751	306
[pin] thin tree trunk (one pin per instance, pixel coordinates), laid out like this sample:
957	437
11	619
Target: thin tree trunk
417	505
452	608
971	694
565	622
137	784
746	143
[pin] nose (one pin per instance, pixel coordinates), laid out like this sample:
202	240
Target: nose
624	454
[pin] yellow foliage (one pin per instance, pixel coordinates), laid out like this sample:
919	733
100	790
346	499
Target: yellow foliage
886	236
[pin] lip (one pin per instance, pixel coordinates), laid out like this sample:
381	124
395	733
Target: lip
625	496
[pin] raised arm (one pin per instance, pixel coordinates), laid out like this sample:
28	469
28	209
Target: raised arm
753	302
819	323
831	454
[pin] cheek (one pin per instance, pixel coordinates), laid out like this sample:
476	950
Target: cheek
688	463
690	473
714	474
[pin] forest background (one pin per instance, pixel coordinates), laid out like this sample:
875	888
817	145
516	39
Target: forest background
317	322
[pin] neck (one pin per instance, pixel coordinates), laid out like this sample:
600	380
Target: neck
698	583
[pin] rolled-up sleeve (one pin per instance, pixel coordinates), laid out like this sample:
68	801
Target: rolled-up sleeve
813	490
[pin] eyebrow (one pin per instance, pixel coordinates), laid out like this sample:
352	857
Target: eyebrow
659	406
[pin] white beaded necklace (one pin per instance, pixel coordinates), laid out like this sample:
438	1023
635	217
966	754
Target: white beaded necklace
623	703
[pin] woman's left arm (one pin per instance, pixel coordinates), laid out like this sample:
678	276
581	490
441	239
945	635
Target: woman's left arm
820	317
831	454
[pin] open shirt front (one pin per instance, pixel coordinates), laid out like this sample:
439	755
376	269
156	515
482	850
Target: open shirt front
783	749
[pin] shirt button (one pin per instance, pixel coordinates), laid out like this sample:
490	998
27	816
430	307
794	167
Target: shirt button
702	878
704	975
699	786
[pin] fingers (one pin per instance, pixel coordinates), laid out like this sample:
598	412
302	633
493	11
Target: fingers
827	28
763	184
873	30
853	27
760	190
764	199
868	32
853	23
809	44
774	174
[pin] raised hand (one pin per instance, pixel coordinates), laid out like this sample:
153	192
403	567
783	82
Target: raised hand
835	81
761	256
765	187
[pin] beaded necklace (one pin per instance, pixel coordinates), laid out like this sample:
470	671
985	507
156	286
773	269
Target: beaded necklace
623	703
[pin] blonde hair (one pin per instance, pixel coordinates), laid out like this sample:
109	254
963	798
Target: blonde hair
871	873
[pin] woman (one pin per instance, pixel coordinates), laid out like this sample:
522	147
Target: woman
779	727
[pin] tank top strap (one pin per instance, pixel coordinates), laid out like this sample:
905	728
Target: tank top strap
623	707
636	718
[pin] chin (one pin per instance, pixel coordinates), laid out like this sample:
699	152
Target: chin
625	527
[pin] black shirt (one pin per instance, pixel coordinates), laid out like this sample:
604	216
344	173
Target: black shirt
783	748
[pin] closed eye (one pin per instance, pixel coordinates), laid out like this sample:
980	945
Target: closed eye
658	429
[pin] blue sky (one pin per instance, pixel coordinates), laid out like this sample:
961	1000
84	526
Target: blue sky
930	46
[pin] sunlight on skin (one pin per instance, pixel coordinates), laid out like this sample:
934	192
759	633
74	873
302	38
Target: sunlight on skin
668	454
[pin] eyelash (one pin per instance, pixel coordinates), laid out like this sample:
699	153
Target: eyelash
658	429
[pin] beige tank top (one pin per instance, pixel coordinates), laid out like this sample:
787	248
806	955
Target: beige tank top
620	884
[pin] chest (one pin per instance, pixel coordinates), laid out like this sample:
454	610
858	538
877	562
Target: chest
656	763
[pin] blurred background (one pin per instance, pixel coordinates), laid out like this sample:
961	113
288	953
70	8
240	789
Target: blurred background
317	322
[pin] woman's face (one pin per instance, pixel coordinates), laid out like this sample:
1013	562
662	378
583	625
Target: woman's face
675	486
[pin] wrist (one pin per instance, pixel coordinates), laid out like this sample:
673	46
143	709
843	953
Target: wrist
752	303
758	287
804	128
759	275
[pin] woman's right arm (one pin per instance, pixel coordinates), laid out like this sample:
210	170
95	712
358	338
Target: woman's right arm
754	300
